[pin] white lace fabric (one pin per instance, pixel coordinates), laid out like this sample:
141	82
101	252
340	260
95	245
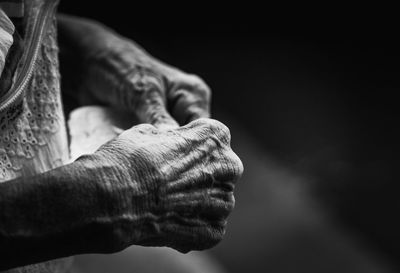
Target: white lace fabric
33	136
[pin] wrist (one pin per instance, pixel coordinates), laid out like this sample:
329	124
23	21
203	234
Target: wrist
128	196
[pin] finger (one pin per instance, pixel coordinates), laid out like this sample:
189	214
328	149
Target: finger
194	179
152	110
186	237
212	203
189	105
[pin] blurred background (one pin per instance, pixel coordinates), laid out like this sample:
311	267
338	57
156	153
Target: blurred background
312	107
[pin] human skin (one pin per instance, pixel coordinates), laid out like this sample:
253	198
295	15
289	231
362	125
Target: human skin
160	185
149	186
116	71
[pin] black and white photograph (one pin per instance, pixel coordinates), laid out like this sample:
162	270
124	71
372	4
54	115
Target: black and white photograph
145	137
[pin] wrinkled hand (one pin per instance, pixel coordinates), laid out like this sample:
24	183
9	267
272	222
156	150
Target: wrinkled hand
177	185
172	186
119	72
149	87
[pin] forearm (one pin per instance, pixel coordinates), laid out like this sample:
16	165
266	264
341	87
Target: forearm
148	186
60	213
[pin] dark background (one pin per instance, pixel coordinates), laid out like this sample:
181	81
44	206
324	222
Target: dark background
316	93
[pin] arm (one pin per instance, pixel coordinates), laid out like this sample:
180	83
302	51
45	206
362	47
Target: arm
118	72
55	214
147	187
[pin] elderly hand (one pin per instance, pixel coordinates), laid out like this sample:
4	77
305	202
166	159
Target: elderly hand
172	187
116	71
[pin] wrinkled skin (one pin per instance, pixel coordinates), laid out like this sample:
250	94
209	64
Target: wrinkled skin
184	179
148	186
153	185
148	87
116	71
188	173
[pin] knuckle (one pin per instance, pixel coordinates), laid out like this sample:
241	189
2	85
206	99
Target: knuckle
200	85
220	130
138	90
197	80
231	168
139	84
215	125
198	123
144	128
236	165
211	129
204	91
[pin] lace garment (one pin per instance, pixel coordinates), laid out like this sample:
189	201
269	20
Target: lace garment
33	134
33	137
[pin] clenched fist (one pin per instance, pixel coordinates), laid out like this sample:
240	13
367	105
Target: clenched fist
170	187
